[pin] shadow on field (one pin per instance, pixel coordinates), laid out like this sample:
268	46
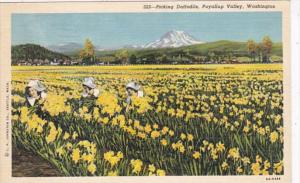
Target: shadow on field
28	164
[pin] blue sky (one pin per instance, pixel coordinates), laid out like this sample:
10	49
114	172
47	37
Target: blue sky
118	29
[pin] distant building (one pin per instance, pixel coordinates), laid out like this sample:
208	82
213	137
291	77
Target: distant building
100	63
66	62
54	63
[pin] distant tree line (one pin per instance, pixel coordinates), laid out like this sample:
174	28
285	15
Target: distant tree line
255	52
260	52
31	52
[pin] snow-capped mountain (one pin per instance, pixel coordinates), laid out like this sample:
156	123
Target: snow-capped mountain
173	39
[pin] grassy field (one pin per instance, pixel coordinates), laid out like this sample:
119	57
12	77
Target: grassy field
193	120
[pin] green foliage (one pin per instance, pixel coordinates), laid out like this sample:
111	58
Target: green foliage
29	52
267	45
87	54
201	53
213	52
225	127
122	56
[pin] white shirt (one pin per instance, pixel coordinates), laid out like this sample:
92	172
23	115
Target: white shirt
139	94
96	93
32	100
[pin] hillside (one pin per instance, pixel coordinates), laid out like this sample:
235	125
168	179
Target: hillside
32	53
199	49
228	46
198	53
212	52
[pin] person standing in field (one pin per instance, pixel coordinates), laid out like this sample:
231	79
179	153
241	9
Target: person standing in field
90	93
133	89
35	93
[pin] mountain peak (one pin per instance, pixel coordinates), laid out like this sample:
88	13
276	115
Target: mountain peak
175	32
173	39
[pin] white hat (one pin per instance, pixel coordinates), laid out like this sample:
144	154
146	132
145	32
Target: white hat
37	85
133	86
89	82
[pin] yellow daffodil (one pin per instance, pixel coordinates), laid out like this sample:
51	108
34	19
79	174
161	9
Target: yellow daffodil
92	168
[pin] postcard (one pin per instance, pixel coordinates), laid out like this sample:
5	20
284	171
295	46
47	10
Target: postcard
143	91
